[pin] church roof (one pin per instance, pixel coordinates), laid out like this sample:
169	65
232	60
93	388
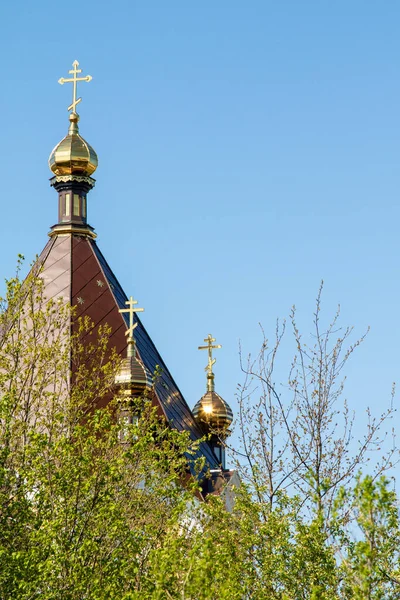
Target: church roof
75	269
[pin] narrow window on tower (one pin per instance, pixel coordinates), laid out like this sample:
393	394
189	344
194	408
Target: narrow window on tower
84	207
218	453
67	205
76	204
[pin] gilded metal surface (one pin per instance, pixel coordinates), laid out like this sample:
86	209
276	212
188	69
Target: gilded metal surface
212	410
68	229
78	178
133	375
73	155
74	80
131	310
211	361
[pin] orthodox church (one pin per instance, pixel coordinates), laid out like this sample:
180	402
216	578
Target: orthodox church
74	268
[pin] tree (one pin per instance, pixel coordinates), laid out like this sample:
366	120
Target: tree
80	511
301	439
93	508
369	549
247	555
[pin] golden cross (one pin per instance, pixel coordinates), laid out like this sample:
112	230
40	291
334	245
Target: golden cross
131	310
211	361
74	80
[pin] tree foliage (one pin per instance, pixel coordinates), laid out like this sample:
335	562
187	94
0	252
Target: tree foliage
94	508
80	510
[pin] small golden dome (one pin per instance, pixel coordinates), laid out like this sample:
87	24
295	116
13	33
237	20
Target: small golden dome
133	377
212	410
73	155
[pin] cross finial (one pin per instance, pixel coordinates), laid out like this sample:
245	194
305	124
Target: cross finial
131	310
211	361
74	80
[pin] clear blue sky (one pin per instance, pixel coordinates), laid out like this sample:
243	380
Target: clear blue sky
247	150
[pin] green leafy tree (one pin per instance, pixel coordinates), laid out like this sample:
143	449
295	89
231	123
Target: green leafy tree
84	499
244	554
93	508
369	548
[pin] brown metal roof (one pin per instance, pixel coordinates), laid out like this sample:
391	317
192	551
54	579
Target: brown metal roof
74	268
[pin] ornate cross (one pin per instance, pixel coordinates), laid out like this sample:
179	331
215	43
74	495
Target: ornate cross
74	80
131	310
211	361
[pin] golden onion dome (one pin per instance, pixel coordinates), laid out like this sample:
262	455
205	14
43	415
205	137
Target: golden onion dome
73	155
213	412
133	377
